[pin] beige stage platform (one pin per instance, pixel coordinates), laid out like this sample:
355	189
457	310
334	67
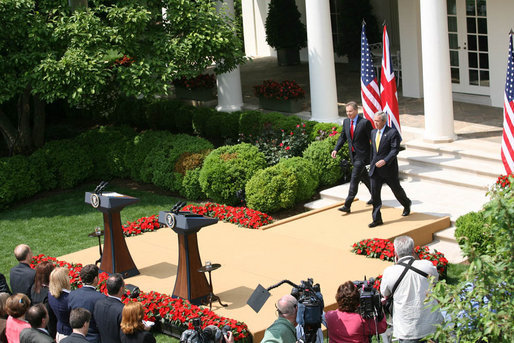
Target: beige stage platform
316	245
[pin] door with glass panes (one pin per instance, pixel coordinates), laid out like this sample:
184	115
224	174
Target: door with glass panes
469	57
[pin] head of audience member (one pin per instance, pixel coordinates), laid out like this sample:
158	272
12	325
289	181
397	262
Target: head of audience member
89	275
352	109
37	316
17	305
42	278
59	280
79	320
23	253
403	246
380	120
287	306
3	302
115	285
132	318
347	297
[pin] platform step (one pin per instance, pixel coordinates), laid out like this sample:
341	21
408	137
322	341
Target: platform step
450	250
320	203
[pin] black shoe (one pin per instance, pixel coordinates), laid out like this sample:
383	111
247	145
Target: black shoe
370	202
406	211
344	209
375	223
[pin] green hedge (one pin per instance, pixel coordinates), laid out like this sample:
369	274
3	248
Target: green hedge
17	179
308	178
475	228
227	169
191	188
328	169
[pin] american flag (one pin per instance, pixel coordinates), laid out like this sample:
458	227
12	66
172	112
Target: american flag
507	151
370	94
388	94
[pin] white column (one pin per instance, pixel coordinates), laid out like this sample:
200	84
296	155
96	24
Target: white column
230	95
321	61
436	72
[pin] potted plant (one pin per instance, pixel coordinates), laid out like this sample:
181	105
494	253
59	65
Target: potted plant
285	32
200	87
282	96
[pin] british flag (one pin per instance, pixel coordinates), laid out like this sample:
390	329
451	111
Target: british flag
388	94
370	94
507	150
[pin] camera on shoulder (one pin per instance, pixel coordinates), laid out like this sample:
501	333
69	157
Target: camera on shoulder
370	299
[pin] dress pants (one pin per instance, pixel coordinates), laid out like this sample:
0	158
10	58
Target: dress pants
359	173
376	188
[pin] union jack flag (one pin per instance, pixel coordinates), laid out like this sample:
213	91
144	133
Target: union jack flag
507	150
370	94
388	94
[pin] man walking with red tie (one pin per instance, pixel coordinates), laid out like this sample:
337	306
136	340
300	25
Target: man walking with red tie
356	132
385	142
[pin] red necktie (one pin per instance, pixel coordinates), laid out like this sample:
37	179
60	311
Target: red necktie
351	133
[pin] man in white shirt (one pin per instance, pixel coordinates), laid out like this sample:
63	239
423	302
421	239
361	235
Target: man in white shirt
412	317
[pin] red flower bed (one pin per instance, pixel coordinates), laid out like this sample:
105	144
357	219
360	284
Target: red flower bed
503	181
144	224
384	250
200	81
241	216
281	91
157	306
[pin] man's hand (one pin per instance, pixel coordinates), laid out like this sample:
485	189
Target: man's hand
229	337
334	154
380	164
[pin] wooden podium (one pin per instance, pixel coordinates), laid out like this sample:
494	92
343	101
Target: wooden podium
116	256
189	284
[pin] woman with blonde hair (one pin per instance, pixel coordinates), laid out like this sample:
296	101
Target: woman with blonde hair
132	328
16	305
58	300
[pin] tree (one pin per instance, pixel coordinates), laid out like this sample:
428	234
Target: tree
48	52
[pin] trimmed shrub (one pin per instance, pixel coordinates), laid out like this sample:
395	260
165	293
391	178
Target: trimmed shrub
272	189
215	125
306	175
227	169
475	228
278	121
17	179
191	188
249	123
328	168
202	121
321	131
190	160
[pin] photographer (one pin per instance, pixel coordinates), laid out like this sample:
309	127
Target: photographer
345	325
283	329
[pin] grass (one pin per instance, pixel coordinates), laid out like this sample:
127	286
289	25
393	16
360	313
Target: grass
59	223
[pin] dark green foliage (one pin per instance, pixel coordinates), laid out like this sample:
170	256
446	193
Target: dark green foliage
216	126
308	178
227	169
473	229
320	131
328	168
249	123
283	26
272	189
17	179
107	146
278	121
191	188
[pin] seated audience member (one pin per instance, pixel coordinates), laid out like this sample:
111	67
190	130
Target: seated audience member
345	324
4	288
3	316
79	321
132	328
21	275
37	316
39	292
59	290
108	310
17	305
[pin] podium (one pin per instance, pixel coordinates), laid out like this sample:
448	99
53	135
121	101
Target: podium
116	256
189	284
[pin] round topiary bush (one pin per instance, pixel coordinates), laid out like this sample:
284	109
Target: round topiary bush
321	131
17	180
227	169
272	189
328	168
308	178
191	188
474	227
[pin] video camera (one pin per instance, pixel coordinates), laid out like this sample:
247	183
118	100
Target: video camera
211	334
370	299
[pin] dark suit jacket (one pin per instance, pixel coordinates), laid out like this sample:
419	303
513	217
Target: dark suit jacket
42	298
74	338
32	335
387	151
62	312
360	141
86	297
22	278
108	319
4	288
137	337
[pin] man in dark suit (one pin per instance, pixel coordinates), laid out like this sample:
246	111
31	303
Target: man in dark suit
107	311
21	275
37	316
357	133
4	288
87	297
385	142
79	322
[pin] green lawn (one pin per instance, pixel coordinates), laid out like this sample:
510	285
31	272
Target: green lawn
58	224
